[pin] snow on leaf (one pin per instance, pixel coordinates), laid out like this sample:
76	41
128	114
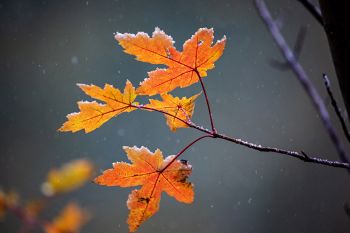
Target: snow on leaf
198	55
176	108
147	170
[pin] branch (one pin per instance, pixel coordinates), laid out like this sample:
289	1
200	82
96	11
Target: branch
302	156
188	122
206	100
209	133
302	77
336	107
335	17
298	47
314	10
183	150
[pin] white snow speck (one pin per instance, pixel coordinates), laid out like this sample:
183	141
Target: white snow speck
250	200
121	132
74	60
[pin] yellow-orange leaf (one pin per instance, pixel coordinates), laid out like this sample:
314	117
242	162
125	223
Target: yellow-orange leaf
198	55
69	177
147	169
176	108
70	220
92	114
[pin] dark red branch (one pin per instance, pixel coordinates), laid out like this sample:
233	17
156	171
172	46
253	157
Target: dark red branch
206	100
183	150
295	154
188	123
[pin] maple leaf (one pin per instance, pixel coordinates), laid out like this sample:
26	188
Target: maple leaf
152	172
197	57
70	176
71	219
176	108
92	114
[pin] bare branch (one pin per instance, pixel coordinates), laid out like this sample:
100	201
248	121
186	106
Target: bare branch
314	10
206	101
303	78
298	47
335	15
336	107
302	156
210	133
183	150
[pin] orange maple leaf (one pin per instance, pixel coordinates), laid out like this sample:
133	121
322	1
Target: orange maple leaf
176	108
92	114
155	175
71	219
197	57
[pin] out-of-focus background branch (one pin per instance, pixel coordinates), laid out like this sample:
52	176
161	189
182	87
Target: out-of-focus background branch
302	77
335	16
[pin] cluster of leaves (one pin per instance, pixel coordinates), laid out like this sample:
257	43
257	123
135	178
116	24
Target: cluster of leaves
149	169
183	69
72	217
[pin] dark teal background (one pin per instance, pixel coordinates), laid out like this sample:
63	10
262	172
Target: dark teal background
46	47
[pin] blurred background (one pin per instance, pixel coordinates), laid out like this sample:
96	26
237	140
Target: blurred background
49	46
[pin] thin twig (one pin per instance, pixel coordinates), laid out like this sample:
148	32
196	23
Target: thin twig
298	47
183	150
336	107
294	154
314	10
300	73
206	100
302	156
188	123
